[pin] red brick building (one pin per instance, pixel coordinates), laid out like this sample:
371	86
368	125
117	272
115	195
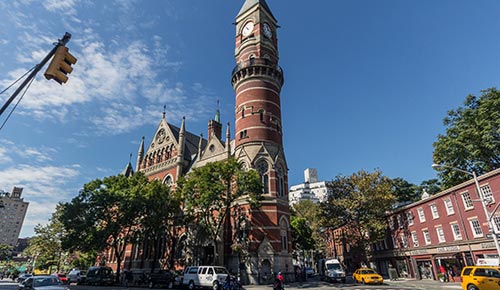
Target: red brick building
449	229
174	151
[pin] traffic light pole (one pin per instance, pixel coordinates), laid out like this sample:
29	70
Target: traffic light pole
38	67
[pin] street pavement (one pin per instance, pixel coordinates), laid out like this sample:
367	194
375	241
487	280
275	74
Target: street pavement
400	284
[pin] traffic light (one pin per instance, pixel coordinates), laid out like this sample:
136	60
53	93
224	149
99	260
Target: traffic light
60	65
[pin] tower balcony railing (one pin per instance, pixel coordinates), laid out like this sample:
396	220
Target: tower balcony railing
257	67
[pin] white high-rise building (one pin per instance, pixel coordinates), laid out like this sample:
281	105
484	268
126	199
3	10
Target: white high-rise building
312	189
12	212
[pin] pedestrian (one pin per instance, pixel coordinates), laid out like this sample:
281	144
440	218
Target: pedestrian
127	278
278	282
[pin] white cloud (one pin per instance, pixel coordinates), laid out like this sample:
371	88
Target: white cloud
60	6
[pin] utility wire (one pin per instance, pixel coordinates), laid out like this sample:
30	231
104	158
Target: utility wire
18	79
18	101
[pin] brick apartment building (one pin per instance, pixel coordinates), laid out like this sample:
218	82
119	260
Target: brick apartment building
448	229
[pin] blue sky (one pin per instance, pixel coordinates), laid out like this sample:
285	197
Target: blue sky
367	83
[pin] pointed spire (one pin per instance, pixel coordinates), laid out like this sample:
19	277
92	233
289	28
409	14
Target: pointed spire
251	3
182	144
217	113
228	140
140	155
199	146
164	109
128	170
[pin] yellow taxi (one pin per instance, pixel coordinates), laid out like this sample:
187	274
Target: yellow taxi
367	276
480	278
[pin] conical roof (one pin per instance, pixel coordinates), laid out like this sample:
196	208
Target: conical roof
251	3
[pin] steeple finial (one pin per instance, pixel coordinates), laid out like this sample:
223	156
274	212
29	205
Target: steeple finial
217	113
164	109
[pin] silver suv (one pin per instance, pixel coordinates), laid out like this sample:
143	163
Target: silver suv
204	276
77	276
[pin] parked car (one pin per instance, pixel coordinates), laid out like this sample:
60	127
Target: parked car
62	277
367	276
334	271
42	283
23	277
100	275
77	276
162	277
480	277
204	276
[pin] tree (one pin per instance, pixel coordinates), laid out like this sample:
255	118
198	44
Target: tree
104	215
472	139
46	245
305	223
359	202
431	186
5	252
210	192
161	215
405	191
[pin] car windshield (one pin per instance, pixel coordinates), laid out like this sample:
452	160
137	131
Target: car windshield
333	266
368	272
45	281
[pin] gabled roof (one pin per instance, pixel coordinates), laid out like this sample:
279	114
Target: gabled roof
128	170
251	3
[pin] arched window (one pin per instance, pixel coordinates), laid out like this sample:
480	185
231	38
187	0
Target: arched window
280	182
168	180
263	169
251	59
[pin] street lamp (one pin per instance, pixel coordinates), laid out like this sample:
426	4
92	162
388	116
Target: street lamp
489	215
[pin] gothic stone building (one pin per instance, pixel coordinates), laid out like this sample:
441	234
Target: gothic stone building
173	151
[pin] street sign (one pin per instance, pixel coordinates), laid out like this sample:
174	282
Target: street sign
490	236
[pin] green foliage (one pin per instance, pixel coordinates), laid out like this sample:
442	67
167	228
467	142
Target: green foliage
405	191
432	186
5	252
210	191
104	215
161	215
306	236
301	233
472	139
360	203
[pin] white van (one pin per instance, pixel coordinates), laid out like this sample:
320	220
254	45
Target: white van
204	276
334	270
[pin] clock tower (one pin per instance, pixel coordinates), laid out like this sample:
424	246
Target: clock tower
257	80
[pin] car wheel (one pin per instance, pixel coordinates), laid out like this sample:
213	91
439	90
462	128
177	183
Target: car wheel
151	284
191	285
472	287
216	285
170	285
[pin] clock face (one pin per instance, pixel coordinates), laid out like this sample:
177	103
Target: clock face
267	30
160	136
247	29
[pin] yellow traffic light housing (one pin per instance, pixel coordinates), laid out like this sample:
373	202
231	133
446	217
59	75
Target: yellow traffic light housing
60	65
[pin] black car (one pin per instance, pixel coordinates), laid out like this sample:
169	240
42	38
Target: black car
100	275
162	277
